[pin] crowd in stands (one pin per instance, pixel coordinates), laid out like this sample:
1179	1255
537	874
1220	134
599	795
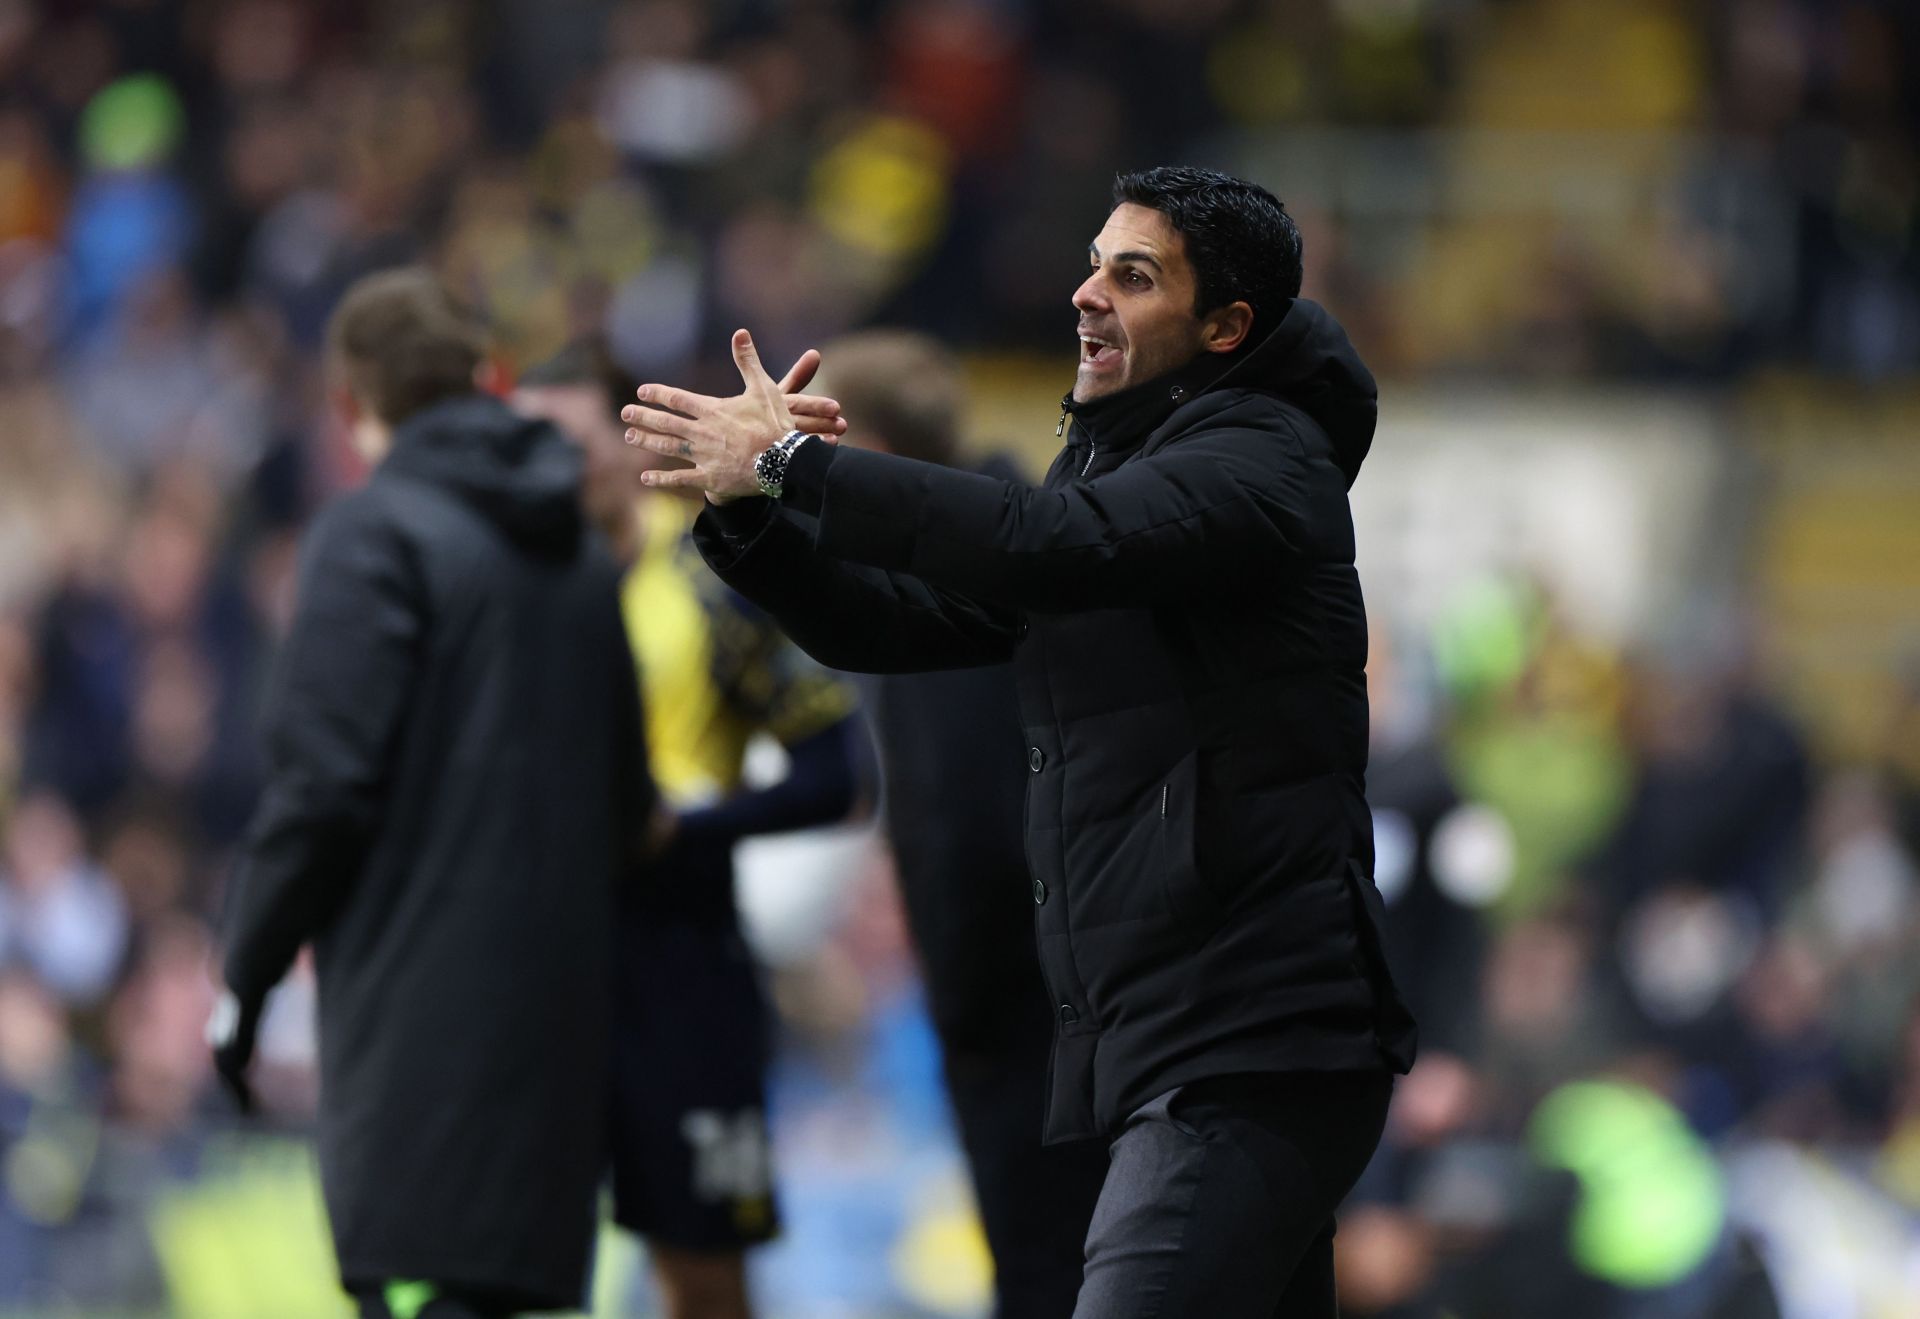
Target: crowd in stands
1637	910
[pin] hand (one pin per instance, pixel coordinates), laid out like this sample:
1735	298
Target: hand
721	437
807	408
231	1032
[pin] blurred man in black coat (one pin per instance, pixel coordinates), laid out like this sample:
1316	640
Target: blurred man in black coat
457	786
1181	607
946	740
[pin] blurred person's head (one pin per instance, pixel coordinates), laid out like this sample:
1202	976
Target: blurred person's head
398	343
900	391
1536	979
1384	1257
44	844
1439	1098
1786	993
175	703
145	850
156	1027
581	390
165	566
35	1040
1189	262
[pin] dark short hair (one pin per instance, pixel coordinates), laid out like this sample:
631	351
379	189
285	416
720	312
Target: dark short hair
586	362
900	386
1241	242
404	342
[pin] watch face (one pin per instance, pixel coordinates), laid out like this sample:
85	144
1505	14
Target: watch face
768	468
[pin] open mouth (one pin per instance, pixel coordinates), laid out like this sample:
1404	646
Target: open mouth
1097	352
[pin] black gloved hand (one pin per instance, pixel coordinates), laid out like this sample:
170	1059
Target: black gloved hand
232	1032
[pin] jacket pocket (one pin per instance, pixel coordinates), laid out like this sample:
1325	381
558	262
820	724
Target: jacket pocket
1189	895
1393	1024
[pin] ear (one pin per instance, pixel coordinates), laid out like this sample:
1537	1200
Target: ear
1225	329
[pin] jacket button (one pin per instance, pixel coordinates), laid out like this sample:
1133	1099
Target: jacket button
1039	893
1035	759
1179	394
1067	1015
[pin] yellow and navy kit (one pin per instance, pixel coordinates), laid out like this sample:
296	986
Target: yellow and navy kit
691	1165
714	669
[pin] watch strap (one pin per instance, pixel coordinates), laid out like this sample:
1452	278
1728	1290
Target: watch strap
770	467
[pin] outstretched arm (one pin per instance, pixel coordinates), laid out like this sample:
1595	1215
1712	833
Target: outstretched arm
847	615
1221	507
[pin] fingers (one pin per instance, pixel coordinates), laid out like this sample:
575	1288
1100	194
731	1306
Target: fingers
671	446
816	414
680	400
800	374
685	477
656	422
754	375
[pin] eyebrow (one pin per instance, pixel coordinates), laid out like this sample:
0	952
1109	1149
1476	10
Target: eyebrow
1145	258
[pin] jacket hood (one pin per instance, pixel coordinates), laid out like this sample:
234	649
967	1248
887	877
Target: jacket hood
1306	360
520	473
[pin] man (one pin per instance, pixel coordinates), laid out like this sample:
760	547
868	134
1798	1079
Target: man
457	785
691	1167
947	741
1181	606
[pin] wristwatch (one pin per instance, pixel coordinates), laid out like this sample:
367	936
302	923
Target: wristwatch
770	468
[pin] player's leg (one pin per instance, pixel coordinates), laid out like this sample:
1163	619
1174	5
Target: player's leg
700	1284
692	1170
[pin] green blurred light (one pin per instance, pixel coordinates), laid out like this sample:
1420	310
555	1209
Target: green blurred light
133	123
1484	636
1652	1204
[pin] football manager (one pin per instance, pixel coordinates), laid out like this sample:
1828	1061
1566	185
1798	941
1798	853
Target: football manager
1179	601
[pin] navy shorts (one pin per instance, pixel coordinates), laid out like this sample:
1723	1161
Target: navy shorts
692	1166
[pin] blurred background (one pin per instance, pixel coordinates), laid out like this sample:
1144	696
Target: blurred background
1641	535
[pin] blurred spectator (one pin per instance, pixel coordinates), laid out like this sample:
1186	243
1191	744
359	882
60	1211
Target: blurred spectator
1603	856
60	916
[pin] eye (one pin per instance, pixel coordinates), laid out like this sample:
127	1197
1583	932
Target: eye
1136	279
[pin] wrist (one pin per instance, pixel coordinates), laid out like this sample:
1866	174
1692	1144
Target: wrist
770	465
806	482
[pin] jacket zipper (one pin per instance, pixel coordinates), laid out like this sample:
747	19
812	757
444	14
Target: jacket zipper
1093	446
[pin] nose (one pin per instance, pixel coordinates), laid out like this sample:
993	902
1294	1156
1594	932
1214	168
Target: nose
1090	296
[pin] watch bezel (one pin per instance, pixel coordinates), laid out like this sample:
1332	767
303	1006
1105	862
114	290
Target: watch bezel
770	465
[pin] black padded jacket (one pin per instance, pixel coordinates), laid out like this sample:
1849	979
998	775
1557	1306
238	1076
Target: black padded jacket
458	786
1180	602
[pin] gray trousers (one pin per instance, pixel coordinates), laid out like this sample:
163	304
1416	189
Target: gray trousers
1219	1199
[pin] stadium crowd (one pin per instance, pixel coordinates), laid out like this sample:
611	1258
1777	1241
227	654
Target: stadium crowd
1666	957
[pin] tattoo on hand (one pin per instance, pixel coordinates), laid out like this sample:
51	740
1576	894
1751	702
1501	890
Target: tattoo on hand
686	448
